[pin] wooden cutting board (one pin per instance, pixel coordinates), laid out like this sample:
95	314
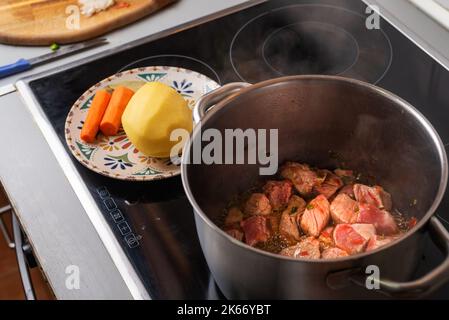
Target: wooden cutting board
43	22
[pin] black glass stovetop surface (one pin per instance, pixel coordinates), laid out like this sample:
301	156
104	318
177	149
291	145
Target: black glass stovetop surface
153	221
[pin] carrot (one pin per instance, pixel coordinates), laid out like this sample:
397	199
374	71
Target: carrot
112	118
94	116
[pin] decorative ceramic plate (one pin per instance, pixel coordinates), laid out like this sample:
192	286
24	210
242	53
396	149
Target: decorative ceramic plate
115	156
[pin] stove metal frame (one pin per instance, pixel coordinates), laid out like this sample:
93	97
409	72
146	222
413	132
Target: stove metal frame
129	275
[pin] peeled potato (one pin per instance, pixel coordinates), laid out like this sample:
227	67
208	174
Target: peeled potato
153	112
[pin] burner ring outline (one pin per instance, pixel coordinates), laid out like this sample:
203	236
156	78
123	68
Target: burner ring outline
390	46
174	56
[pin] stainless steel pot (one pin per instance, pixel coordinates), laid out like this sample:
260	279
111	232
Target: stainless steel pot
372	131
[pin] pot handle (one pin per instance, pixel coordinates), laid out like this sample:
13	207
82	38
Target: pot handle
206	102
412	289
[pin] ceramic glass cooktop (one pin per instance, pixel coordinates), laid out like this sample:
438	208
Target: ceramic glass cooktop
153	221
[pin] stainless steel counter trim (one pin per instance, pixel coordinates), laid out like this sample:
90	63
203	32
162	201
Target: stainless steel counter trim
73	239
117	254
444	64
9	88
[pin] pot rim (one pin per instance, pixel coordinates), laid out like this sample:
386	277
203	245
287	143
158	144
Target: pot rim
385	93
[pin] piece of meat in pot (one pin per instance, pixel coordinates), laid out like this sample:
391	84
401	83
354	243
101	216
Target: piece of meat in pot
290	217
343	209
234	217
348	190
288	227
302	177
316	216
235	233
307	248
382	220
333	253
325	238
278	192
255	229
376	196
296	205
258	204
365	230
377	241
330	185
353	238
